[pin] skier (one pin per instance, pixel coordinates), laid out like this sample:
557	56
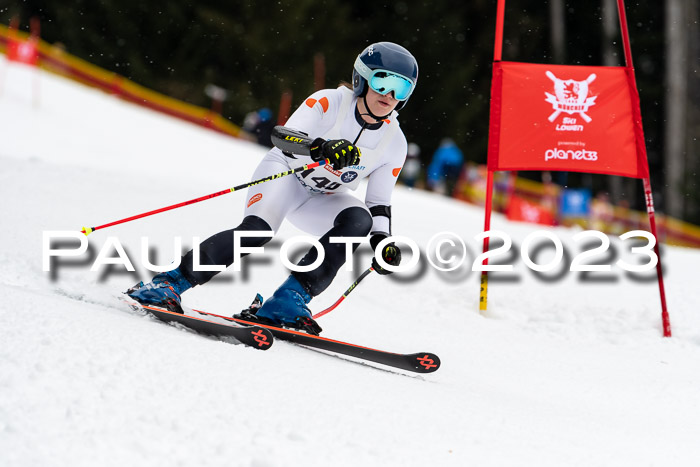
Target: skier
354	128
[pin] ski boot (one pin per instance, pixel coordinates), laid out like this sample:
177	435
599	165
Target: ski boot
286	308
163	291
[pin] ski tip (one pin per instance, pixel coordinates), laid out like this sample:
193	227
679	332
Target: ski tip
426	362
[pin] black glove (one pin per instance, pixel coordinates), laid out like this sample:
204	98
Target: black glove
339	152
391	254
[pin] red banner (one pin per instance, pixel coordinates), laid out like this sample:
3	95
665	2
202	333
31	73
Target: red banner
567	118
520	209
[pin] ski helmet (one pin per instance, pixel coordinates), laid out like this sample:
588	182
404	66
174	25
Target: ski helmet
400	67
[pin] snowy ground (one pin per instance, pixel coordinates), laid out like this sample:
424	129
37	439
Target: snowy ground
564	369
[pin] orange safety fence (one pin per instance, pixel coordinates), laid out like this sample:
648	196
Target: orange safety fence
56	60
604	216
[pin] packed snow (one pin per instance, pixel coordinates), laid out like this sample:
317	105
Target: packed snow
564	368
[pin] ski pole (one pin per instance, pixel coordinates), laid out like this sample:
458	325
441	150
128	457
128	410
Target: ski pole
89	230
347	292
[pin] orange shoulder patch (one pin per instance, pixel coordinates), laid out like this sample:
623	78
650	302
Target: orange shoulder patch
396	171
324	104
323	101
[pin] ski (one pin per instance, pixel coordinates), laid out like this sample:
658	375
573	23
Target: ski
421	362
253	336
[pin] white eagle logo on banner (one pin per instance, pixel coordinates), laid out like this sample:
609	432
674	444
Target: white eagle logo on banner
570	96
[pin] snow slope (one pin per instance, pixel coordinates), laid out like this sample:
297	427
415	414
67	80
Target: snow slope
564	369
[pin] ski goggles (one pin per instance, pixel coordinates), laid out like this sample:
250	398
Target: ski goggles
383	81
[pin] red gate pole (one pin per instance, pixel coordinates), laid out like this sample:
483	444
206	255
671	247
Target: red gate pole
34	37
641	149
285	107
497	55
498	41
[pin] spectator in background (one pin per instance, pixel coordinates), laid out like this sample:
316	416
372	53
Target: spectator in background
260	125
411	168
444	169
602	213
